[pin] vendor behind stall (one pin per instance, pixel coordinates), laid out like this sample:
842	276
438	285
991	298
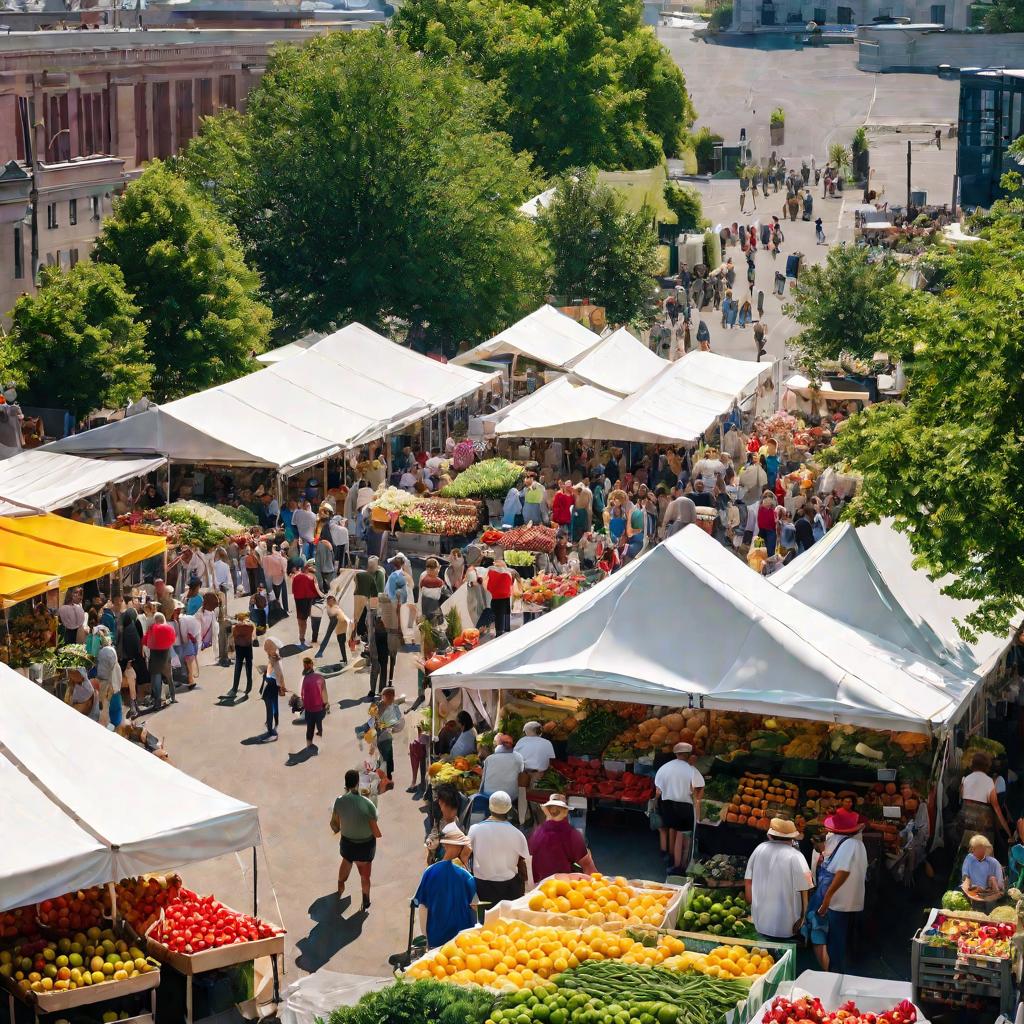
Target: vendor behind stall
982	875
536	750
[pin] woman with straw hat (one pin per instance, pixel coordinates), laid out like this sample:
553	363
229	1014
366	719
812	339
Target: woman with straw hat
777	881
556	846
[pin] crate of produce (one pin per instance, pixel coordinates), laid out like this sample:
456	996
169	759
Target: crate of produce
720	871
715	915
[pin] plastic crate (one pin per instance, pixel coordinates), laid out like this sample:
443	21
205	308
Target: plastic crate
941	975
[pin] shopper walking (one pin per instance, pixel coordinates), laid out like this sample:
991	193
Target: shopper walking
499	853
819	231
159	641
305	591
314	700
273	686
275	570
389	721
337	626
354	818
680	790
447	891
243	634
777	882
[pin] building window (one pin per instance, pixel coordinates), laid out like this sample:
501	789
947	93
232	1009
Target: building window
94	207
820	15
844	15
767	13
73	257
51	215
73	211
938	16
50	260
19	255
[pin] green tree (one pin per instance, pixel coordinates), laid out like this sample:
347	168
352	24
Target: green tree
843	306
686	204
184	266
79	342
367	184
581	82
1004	16
600	248
948	465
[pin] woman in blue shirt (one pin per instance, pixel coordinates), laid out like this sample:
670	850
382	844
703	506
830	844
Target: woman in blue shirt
193	599
447	890
982	873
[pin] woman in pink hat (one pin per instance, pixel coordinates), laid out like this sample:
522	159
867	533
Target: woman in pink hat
839	870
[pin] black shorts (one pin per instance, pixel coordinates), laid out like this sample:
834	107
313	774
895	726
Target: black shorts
677	815
303	606
495	892
358	851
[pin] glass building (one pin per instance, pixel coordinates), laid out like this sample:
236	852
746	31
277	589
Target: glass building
991	117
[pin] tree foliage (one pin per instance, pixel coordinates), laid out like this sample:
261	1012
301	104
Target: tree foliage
367	184
78	342
843	306
686	204
948	465
1005	16
581	82
600	248
184	266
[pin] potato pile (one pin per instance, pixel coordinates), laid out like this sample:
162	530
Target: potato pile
665	732
759	798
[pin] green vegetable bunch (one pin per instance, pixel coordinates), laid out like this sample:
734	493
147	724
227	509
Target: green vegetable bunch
491	478
239	513
192	529
422	1002
518	559
69	656
595	732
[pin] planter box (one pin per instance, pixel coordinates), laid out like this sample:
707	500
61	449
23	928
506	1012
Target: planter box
777	133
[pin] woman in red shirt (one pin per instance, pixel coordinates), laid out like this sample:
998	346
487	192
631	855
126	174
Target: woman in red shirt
499	585
314	699
305	591
767	521
562	505
159	639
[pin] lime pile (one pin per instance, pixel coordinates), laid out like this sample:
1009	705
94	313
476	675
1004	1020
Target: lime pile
717	915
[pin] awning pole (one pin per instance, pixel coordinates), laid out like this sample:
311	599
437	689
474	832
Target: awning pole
280	499
112	889
325	480
255	878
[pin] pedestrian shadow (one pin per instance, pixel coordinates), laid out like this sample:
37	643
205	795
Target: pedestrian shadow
256	741
350	702
302	756
227	701
330	933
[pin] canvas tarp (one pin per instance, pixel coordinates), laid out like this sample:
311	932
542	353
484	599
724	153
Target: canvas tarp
545	336
41	481
41	558
127	548
618	363
540	414
349	387
19	584
754	648
169	819
866	578
679	404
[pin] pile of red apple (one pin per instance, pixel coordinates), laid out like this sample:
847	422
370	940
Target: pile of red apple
811	1010
194	923
19	921
140	900
74	911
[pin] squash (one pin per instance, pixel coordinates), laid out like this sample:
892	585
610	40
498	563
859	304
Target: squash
890	788
673	722
695	722
731	818
687	736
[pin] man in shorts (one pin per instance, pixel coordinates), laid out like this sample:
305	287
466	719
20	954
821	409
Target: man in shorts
355	819
680	789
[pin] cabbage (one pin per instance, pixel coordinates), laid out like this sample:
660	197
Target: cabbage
1007	914
955	900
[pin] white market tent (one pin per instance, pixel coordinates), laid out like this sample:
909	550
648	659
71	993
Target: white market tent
618	363
350	387
534	415
545	336
532	208
275	355
757	649
866	578
41	481
680	404
60	835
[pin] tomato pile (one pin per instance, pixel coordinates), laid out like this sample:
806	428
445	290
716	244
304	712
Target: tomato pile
783	1011
140	900
529	538
196	923
589	778
75	911
19	921
544	586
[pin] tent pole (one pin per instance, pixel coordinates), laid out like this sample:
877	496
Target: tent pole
255	876
280	498
168	495
113	902
325	480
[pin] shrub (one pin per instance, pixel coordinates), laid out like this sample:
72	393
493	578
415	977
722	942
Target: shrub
778	116
721	18
704	142
686	204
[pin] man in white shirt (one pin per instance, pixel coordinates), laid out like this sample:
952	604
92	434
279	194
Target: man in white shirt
536	750
839	872
709	467
503	768
752	480
680	790
499	853
777	881
434	463
304	523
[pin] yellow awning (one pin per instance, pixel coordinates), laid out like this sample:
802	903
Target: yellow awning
17	585
71	567
127	548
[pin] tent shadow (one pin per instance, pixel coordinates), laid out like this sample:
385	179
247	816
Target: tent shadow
301	756
330	933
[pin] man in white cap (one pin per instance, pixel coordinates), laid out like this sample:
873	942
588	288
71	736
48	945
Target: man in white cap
447	890
535	749
777	882
499	853
680	790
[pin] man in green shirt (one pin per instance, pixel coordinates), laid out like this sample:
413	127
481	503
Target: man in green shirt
355	819
369	583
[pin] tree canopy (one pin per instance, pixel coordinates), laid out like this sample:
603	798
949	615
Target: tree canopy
843	306
1004	16
580	82
78	342
184	267
367	183
948	465
600	248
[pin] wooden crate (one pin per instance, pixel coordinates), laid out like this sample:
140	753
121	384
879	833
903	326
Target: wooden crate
58	1002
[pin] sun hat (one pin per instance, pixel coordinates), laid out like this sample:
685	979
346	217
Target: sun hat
683	748
844	822
784	829
556	800
499	802
452	835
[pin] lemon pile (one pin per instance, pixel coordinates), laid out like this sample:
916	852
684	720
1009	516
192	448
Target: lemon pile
725	962
601	900
512	955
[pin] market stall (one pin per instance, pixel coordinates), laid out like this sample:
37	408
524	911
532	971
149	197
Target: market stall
619	363
552	403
